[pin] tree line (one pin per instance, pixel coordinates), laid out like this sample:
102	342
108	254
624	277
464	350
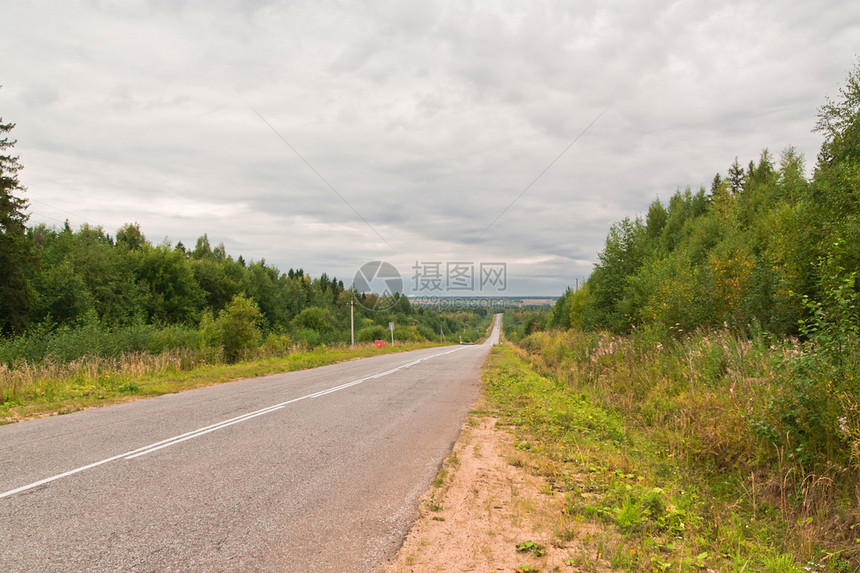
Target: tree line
76	278
764	247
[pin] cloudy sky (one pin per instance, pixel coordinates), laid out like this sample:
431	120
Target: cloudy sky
418	123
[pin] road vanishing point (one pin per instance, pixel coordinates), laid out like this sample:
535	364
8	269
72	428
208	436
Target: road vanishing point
317	470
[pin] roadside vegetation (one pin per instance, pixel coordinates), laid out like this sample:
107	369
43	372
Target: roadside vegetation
53	386
700	393
657	485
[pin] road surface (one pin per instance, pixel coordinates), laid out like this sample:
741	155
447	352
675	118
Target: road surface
319	470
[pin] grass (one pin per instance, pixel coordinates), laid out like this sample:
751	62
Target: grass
52	387
657	507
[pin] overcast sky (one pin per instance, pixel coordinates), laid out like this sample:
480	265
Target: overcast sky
428	118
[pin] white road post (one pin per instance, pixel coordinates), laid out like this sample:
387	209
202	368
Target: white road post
352	321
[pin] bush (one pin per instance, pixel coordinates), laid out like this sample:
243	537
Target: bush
816	413
371	333
277	345
236	330
91	337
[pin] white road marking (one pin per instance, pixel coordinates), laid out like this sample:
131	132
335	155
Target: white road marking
148	449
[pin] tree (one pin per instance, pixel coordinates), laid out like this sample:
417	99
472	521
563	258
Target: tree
619	260
203	250
839	122
736	177
16	295
836	183
218	287
130	237
716	184
169	290
656	219
560	316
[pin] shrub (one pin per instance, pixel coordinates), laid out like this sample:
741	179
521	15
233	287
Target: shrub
371	333
236	330
277	344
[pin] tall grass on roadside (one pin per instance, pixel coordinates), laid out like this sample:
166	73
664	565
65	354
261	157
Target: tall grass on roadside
653	511
778	418
51	379
52	385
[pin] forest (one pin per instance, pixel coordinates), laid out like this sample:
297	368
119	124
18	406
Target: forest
84	292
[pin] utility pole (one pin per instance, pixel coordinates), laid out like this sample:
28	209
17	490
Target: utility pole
352	321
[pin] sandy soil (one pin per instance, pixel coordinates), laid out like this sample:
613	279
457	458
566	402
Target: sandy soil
486	507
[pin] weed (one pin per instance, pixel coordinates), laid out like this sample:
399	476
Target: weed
546	489
564	535
535	549
629	516
696	561
434	505
440	477
779	563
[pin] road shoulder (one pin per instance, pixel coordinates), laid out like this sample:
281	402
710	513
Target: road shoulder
483	507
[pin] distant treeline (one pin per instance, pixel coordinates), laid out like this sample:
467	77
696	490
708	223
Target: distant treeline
761	247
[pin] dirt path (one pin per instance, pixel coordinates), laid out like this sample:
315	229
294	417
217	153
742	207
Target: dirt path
483	506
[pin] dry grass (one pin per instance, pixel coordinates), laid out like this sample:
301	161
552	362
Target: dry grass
50	386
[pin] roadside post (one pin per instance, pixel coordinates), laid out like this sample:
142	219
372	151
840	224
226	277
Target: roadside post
391	328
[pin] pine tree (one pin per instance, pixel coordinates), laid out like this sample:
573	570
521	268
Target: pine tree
716	184
736	177
16	295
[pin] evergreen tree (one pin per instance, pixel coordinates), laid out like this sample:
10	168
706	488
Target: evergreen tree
736	177
16	295
716	184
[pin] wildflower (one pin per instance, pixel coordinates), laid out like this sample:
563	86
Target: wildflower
843	425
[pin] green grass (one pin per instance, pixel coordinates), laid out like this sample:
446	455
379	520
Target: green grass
50	387
656	511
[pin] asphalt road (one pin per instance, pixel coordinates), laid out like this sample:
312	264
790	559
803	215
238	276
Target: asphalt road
319	470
